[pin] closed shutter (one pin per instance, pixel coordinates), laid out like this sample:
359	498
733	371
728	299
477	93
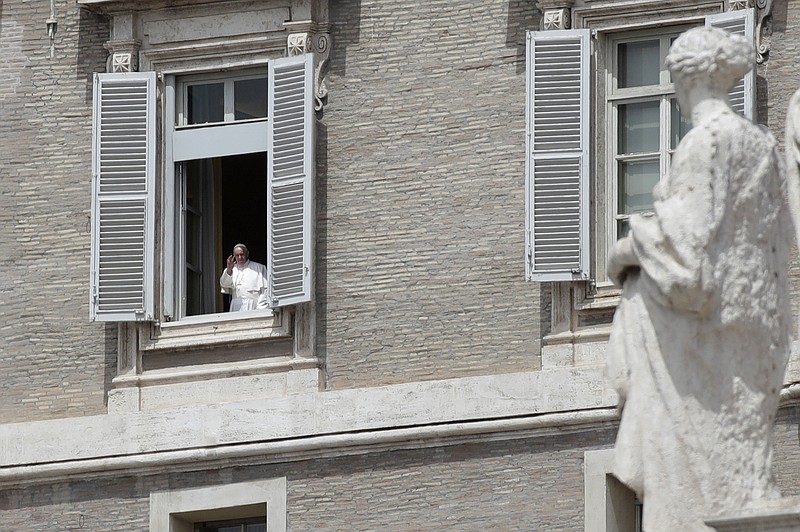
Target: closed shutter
741	22
557	143
290	180
123	197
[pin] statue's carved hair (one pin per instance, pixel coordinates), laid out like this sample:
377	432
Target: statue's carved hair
716	55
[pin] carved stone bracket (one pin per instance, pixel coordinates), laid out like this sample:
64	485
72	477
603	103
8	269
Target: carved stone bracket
556	19
123	56
316	39
763	27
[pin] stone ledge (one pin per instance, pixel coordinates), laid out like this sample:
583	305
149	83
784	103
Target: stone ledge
779	515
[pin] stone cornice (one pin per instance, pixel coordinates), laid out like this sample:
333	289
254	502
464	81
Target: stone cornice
305	425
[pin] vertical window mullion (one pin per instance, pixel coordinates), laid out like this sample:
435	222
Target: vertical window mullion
664	136
181	249
229	111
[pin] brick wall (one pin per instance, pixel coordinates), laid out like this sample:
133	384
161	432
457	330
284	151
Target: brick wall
53	361
421	197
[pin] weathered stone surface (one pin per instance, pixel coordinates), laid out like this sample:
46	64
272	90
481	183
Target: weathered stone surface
702	334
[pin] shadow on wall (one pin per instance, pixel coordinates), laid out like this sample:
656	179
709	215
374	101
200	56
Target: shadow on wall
321	251
93	32
523	16
345	15
110	348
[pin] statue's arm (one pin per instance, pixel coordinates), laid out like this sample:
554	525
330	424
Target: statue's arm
621	260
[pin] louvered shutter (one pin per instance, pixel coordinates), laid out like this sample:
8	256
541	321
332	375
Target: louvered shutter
290	180
123	197
740	22
557	162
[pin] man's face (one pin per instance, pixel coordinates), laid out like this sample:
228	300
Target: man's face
240	256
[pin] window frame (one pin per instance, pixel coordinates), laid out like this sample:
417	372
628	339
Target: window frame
227	78
613	97
256	135
577	306
178	510
609	23
249	134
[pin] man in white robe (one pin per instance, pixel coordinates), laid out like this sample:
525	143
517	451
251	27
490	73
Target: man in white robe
245	280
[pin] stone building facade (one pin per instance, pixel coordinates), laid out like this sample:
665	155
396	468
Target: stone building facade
417	380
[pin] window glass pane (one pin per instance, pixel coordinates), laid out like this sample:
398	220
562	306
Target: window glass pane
622	228
636	182
257	528
250	98
638	127
205	103
639	63
193	292
680	125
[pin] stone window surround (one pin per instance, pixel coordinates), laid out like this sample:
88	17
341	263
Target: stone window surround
573	300
608	504
138	41
178	510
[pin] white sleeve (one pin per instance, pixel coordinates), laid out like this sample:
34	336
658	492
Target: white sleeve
226	283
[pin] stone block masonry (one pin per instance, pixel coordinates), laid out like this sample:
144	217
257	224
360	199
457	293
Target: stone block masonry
54	362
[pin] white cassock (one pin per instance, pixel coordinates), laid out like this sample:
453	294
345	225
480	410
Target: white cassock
247	286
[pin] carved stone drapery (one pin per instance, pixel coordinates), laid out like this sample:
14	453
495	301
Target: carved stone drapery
308	37
733	5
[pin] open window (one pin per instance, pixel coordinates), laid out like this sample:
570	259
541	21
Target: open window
238	166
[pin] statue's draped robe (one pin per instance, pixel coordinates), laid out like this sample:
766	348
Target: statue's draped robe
701	337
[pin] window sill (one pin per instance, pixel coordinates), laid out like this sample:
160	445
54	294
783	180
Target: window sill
592	334
605	297
215	329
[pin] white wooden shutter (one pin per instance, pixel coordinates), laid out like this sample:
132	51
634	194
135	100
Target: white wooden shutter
557	162
123	197
290	180
740	22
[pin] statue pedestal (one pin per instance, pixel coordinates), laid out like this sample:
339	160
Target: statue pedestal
780	515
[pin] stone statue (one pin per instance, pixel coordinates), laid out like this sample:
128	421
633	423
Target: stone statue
701	337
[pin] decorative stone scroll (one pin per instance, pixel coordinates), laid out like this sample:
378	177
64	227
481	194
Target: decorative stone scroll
315	39
763	26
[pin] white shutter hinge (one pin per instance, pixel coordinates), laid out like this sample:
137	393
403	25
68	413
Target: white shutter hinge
529	251
592	287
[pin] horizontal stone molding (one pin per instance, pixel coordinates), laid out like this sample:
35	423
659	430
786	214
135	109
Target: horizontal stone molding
312	447
364	418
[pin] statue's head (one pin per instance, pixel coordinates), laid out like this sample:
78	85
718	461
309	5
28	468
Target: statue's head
711	57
